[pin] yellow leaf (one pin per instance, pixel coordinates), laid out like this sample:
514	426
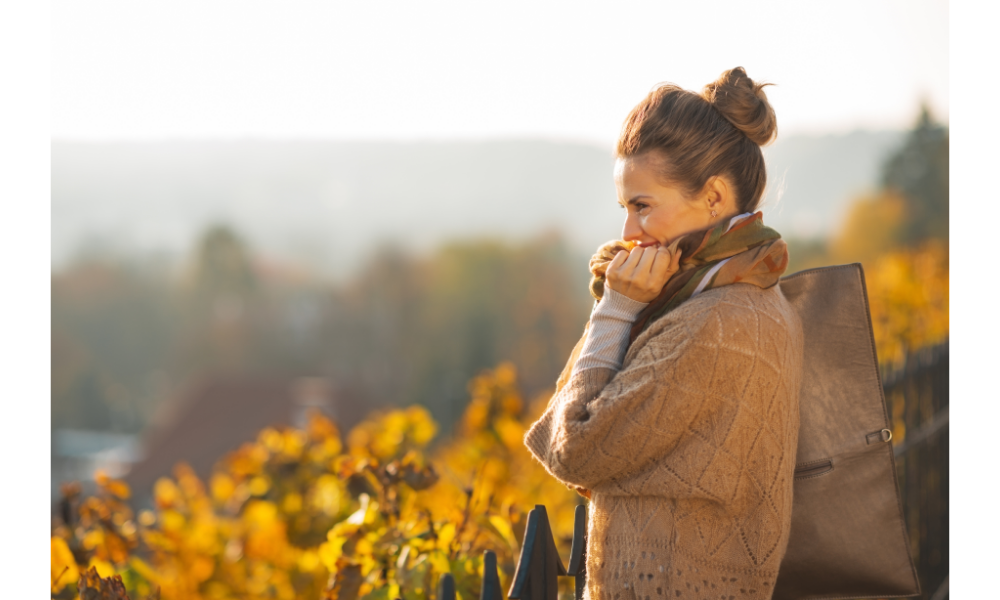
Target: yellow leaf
423	426
64	569
260	512
503	527
120	489
329	552
445	535
343	530
171	521
223	487
144	569
320	428
93	539
166	493
271	439
104	568
294	441
309	560
292	503
201	568
326	494
510	431
439	562
259	486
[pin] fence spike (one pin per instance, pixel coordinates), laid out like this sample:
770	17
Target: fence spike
519	586
446	587
578	553
491	581
538	568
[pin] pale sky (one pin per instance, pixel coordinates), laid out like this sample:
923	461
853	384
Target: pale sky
446	70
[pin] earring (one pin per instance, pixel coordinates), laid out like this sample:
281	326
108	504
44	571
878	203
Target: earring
714	214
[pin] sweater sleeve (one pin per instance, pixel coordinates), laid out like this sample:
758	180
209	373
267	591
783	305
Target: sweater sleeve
607	336
605	424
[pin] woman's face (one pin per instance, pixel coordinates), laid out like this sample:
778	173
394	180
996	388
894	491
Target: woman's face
659	213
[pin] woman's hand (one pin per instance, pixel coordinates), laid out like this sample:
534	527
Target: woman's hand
642	273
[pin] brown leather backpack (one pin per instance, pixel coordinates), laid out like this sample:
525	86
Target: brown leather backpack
848	537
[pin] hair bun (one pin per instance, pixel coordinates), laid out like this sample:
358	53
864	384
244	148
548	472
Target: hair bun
744	104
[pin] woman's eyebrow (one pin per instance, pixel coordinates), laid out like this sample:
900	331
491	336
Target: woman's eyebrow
634	199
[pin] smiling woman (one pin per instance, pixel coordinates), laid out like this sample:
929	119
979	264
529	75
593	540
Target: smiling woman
677	413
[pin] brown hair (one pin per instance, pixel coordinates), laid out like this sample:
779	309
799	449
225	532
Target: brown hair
699	136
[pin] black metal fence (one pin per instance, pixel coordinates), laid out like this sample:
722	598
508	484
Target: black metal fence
917	399
539	566
916	395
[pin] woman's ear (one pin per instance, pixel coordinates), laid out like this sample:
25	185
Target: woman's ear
718	195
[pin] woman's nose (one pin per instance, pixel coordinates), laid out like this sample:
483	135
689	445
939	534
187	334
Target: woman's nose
632	232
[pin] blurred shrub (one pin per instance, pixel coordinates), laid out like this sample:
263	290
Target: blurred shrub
310	514
873	226
918	171
908	297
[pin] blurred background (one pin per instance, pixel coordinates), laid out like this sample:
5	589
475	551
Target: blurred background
261	209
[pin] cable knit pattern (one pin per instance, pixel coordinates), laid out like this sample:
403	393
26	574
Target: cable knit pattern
688	451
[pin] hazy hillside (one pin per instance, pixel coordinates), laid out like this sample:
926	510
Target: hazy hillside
813	178
329	202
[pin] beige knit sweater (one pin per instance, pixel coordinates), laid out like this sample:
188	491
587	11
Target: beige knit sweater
688	450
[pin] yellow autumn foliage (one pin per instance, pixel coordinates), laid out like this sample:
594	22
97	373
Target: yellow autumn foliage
64	568
907	283
377	514
908	297
873	226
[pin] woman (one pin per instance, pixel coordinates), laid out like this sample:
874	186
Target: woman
677	414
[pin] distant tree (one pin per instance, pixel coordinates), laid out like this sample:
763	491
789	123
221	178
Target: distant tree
910	208
405	329
488	301
919	172
223	263
416	330
220	323
111	332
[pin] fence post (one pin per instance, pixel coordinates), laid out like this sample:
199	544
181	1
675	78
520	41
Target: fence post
446	587
916	395
578	554
491	580
539	567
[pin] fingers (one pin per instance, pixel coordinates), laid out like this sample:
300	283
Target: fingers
642	272
632	262
613	273
628	272
624	263
660	270
646	259
618	261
